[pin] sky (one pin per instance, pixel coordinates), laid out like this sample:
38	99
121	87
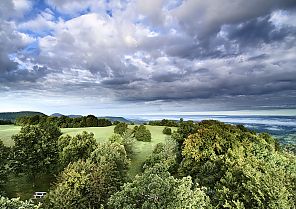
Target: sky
126	57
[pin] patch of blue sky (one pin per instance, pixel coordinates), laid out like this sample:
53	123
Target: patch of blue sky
109	12
32	49
37	8
173	4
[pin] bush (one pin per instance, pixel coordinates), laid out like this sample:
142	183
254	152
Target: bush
142	134
120	128
167	131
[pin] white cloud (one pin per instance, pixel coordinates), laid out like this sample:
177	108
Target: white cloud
21	7
43	21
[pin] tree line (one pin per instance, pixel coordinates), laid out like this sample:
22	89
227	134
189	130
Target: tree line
64	121
5	122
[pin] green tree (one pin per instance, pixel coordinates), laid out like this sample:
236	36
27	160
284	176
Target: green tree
142	134
103	122
89	183
72	149
186	128
4	154
167	131
91	121
127	140
240	168
156	188
120	128
35	150
16	203
164	153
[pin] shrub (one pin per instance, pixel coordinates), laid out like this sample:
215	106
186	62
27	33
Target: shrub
142	134
120	128
167	131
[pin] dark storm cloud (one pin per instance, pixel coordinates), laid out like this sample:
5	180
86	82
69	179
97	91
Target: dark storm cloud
24	75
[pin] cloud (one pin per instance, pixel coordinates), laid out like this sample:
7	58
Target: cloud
203	18
168	51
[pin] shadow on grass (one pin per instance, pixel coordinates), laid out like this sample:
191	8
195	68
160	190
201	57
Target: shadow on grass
21	186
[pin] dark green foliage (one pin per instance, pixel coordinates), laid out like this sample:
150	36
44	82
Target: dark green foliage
142	134
35	150
5	122
72	149
64	121
186	128
4	155
157	189
164	122
91	121
164	154
89	183
16	203
103	122
120	128
167	131
116	122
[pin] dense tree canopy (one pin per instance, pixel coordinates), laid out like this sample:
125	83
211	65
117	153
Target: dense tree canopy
157	189
239	167
89	183
64	121
4	154
164	122
35	150
72	149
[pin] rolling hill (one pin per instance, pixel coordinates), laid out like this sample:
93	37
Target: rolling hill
12	116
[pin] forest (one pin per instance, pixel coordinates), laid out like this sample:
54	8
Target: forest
207	164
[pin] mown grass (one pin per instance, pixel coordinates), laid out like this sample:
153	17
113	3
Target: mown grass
6	131
22	187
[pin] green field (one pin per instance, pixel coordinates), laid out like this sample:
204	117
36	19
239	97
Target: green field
6	131
20	187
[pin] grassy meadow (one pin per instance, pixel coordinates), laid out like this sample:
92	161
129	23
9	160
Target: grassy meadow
6	131
20	186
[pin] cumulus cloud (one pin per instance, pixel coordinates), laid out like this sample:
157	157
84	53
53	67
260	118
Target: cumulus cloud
146	51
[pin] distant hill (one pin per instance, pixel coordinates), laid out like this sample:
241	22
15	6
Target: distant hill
12	116
120	119
70	116
74	116
56	115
